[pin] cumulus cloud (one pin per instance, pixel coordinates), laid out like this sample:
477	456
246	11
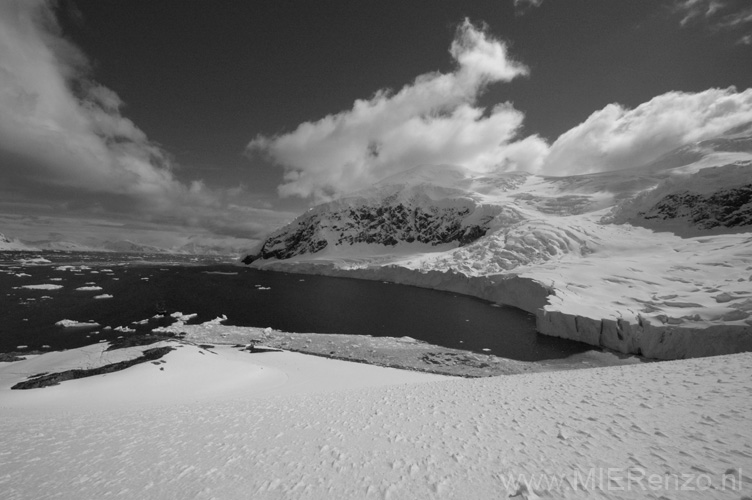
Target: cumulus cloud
63	138
615	137
78	139
433	120
734	16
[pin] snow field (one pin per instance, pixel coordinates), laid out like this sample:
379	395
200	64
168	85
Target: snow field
312	428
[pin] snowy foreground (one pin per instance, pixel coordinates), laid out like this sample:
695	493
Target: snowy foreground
222	423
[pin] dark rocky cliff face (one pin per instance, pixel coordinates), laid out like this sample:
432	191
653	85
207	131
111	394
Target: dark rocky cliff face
726	208
383	224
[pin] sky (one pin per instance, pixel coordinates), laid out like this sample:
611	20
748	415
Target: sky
172	121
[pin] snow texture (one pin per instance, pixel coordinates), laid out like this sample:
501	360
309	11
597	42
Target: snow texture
222	423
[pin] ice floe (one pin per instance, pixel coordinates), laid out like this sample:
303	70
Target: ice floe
69	323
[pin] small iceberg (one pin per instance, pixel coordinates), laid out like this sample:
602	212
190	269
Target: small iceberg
69	323
46	286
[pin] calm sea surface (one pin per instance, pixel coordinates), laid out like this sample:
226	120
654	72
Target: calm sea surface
248	297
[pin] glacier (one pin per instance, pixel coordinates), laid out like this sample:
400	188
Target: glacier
654	260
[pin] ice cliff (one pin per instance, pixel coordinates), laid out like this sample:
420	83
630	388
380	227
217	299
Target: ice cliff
655	260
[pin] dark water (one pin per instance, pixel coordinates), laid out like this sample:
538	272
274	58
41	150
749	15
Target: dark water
248	297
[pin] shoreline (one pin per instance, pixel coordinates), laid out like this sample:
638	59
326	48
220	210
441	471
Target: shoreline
403	353
665	341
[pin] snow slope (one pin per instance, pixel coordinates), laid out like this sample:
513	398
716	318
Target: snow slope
219	423
189	374
7	244
655	260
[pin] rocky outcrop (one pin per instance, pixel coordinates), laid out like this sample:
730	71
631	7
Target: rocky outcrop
724	208
384	224
48	379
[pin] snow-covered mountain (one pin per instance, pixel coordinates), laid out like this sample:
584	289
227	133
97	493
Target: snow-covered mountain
8	244
426	207
119	246
654	260
126	246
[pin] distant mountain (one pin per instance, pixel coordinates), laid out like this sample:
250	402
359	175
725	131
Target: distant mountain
126	246
8	244
658	247
119	246
195	248
62	246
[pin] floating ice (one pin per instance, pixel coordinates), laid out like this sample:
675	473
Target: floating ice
183	317
88	288
46	286
103	296
35	260
69	323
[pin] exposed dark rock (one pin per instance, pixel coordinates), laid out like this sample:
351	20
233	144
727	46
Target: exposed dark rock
10	357
726	208
248	259
471	234
137	340
45	380
385	224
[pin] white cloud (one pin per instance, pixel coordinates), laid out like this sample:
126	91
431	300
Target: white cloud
79	140
73	148
431	121
436	120
733	16
616	137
